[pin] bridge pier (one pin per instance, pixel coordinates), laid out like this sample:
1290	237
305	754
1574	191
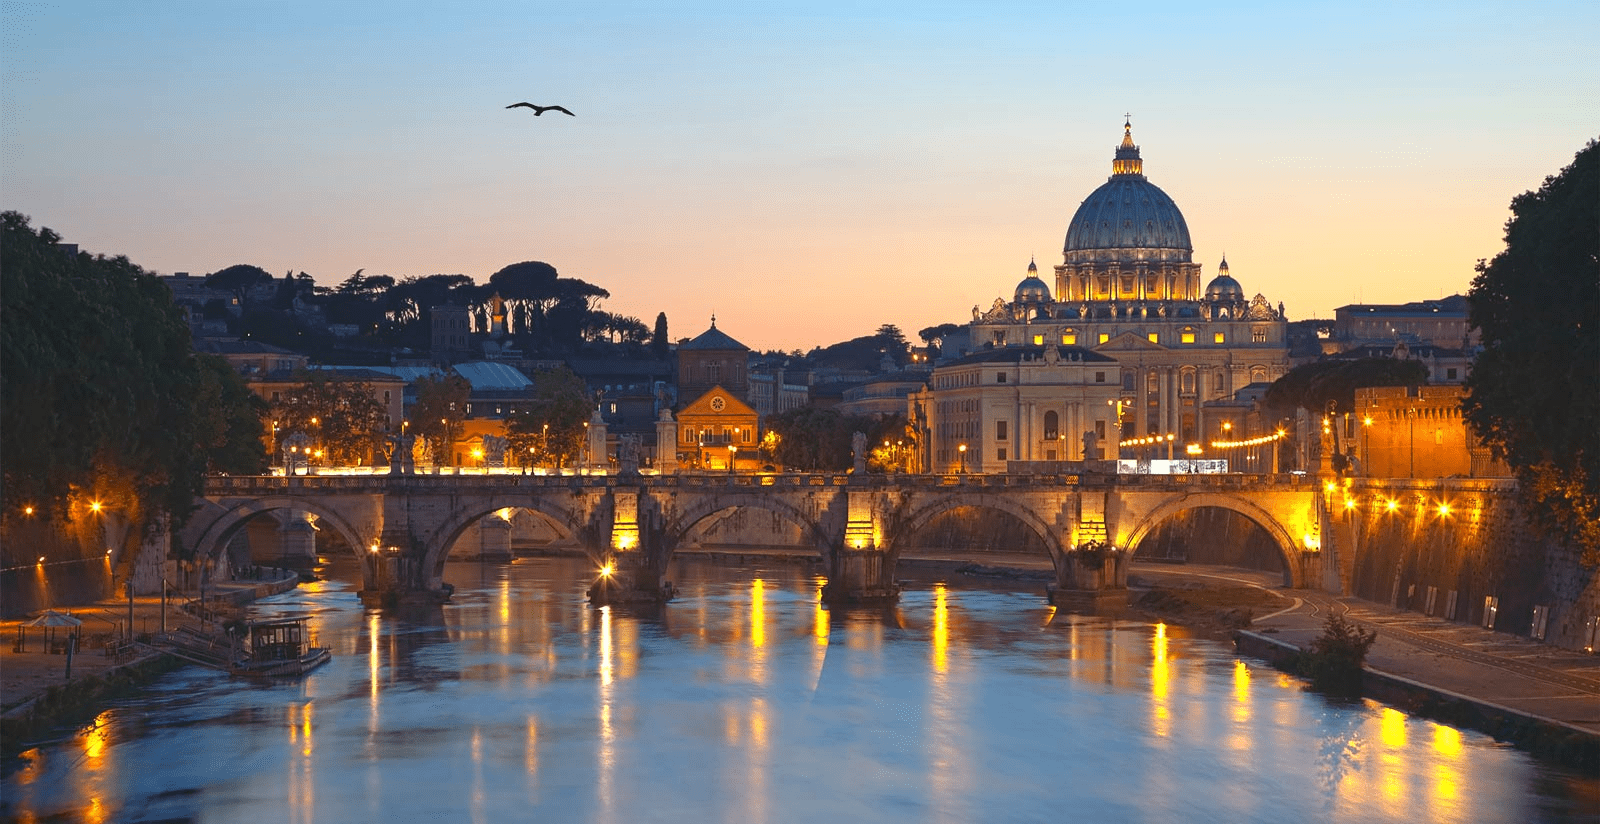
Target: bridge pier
860	576
395	573
1091	578
633	560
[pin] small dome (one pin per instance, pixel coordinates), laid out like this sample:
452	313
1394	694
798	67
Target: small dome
1032	290
1224	288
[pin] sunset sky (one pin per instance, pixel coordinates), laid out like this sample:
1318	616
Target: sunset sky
805	171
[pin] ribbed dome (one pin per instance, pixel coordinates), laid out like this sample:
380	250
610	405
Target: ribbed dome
1224	288
1128	219
1032	290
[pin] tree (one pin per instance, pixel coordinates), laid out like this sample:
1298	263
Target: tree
438	414
659	342
935	335
343	418
554	426
101	393
819	438
231	436
240	279
1534	391
1311	386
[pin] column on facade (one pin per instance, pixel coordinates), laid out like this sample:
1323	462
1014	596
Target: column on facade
1141	388
1163	398
1175	408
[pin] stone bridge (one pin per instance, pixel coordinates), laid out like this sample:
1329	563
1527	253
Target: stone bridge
1091	524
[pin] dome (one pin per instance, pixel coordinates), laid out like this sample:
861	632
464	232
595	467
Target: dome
1224	288
1128	218
1032	290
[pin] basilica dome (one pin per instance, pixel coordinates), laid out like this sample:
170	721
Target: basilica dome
1223	287
1032	290
1128	219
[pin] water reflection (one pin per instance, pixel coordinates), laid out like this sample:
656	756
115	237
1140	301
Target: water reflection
746	699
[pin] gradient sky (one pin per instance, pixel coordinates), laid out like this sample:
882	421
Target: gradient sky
806	171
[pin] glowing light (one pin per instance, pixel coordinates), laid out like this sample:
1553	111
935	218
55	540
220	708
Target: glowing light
607	570
1447	741
41	560
1349	503
1329	487
1392	505
374	548
1444	509
94	506
1312	542
27	510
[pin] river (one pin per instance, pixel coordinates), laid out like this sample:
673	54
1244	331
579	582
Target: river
744	700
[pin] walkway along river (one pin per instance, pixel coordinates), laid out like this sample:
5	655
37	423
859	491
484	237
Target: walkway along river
744	699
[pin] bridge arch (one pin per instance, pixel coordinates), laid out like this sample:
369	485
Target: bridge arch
568	523
682	525
211	538
1287	546
922	513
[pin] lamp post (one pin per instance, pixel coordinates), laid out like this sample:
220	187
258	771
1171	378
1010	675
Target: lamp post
963	450
733	457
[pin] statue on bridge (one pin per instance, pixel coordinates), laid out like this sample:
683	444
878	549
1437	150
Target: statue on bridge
1091	446
628	455
858	449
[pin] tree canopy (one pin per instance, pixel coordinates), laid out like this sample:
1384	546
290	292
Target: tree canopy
553	428
439	412
101	393
1534	391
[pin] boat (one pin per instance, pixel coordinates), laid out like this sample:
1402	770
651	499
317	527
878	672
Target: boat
279	649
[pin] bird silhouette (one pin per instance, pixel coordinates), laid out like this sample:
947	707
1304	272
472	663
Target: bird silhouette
538	110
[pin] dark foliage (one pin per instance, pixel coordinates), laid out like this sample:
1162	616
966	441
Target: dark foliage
1336	657
1534	391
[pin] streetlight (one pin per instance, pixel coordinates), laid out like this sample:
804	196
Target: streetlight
963	450
733	457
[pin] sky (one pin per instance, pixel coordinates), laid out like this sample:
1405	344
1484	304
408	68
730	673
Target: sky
804	171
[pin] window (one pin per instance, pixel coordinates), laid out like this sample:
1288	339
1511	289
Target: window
1069	337
1038	340
1052	425
999	377
688	435
1000	453
1154	337
1099	377
1127	379
744	436
1218	337
1187	382
1186	336
999	430
1450	374
1258	334
1216	382
1104	337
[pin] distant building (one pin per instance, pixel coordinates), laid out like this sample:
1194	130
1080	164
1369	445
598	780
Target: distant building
451	333
712	359
714	428
1017	403
1416	432
1128	289
1440	322
251	358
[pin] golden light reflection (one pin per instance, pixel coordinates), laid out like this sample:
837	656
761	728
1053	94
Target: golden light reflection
94	741
1392	728
302	777
1160	711
478	789
758	614
941	629
819	621
1241	692
1447	741
608	733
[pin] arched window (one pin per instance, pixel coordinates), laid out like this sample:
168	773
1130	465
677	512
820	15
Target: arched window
1052	426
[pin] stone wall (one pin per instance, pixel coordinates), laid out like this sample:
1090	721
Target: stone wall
1468	538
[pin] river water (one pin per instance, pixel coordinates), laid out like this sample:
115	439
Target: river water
743	700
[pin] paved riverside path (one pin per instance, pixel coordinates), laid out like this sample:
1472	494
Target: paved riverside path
1497	668
24	675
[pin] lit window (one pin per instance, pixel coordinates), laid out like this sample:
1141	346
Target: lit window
1104	337
1038	340
1218	338
1187	336
1154	337
1258	335
1069	338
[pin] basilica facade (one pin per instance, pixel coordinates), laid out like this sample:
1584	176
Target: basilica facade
1128	299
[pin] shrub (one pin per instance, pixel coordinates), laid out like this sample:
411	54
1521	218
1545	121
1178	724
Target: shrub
1334	661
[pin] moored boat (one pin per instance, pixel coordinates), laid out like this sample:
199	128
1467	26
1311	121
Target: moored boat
280	649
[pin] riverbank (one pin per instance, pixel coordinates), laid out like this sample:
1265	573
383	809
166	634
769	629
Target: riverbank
39	693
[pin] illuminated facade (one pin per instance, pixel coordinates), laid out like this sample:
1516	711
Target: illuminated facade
1128	289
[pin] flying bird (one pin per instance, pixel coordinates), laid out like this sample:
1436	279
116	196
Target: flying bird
538	110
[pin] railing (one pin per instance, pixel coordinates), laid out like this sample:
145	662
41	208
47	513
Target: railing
233	486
